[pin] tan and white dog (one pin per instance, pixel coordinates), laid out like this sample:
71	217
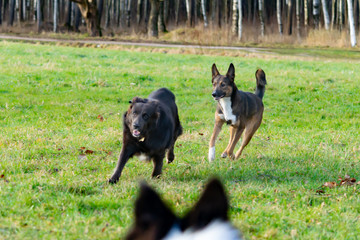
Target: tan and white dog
243	111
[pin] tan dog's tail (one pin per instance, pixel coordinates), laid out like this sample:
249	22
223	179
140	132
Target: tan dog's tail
260	83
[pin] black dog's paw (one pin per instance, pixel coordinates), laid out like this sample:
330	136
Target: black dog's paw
170	157
113	181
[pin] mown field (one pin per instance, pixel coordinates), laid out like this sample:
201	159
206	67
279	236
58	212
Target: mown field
58	102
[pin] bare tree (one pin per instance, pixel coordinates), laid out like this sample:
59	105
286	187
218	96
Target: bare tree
1	3
306	15
289	16
203	11
261	16
316	13
235	17
154	15
161	20
39	13
56	18
240	19
351	23
12	13
90	13
298	18
326	14
278	14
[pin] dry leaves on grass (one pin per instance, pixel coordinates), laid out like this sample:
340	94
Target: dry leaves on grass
101	118
346	181
2	176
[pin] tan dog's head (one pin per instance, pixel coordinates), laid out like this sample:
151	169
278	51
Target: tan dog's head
223	85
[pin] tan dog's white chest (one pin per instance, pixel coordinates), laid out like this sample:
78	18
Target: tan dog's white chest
225	104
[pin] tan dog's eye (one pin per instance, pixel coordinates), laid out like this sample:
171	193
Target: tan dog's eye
222	84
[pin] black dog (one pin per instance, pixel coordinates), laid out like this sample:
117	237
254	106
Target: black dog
151	126
207	220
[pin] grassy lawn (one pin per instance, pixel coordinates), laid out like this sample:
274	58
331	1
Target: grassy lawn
50	101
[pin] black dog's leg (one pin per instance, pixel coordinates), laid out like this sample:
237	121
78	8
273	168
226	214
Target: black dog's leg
126	153
170	154
158	164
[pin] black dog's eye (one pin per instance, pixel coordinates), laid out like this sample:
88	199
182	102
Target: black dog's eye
145	116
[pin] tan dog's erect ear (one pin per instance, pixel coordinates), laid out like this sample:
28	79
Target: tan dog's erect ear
214	71
231	72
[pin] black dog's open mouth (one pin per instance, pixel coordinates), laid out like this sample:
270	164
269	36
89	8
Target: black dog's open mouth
136	133
217	98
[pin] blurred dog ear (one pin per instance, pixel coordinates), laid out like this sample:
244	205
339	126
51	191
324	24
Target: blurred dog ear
153	219
212	205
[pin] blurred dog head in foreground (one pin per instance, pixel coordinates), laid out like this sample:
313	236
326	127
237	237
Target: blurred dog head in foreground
207	220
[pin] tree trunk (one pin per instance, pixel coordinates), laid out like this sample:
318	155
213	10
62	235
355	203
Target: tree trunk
100	9
56	11
278	13
333	14
39	13
90	13
177	10
161	19
68	15
154	15
138	12
316	13
261	16
289	17
326	14
341	11
298	18
351	23
235	18
240	19
188	12
12	12
128	13
1	12
203	11
306	15
77	19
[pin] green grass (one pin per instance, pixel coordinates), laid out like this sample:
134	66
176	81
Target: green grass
50	99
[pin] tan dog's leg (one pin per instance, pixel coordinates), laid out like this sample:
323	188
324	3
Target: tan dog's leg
217	128
249	133
230	148
235	140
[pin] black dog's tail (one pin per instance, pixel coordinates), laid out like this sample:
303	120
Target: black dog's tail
260	83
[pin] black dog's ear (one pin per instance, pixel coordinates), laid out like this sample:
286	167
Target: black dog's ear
213	204
231	72
214	71
138	100
153	219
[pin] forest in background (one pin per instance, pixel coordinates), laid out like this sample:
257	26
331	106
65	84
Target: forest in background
294	18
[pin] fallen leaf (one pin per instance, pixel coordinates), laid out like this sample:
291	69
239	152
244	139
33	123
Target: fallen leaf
201	134
2	176
320	191
89	151
83	148
101	118
329	184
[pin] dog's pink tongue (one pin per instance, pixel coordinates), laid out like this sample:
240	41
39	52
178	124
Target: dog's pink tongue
136	133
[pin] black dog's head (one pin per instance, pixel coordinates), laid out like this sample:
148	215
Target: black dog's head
154	220
141	114
223	85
